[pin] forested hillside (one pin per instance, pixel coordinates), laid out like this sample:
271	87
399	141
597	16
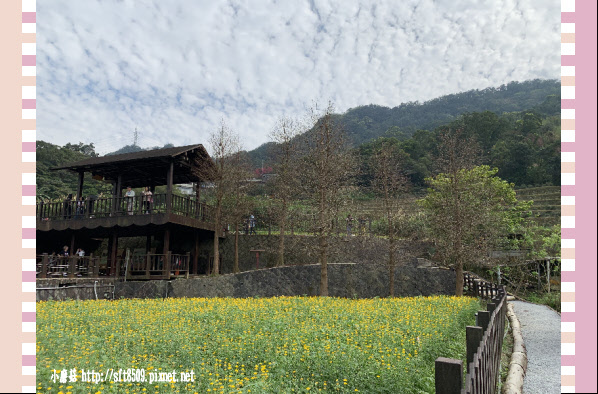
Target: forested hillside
365	123
58	184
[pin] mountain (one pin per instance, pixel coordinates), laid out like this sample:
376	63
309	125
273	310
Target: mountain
365	123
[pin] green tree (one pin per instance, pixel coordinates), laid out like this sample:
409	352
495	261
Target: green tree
470	212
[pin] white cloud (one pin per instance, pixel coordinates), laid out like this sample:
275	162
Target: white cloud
174	69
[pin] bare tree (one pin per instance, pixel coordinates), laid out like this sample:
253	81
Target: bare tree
326	169
236	203
286	154
224	144
390	183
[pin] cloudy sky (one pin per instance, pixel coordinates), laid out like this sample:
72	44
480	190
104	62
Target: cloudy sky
174	69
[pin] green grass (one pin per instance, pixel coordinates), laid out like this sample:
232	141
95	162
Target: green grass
552	299
257	345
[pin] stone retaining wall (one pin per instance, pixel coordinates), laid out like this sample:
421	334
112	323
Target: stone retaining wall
344	280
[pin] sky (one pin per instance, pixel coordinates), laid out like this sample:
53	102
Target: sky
174	70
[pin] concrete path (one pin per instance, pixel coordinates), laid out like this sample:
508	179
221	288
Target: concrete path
541	330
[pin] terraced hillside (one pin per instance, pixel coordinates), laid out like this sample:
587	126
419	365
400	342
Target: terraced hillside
547	203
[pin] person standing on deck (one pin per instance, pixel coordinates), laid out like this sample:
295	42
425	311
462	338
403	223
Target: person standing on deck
130	194
147	200
251	224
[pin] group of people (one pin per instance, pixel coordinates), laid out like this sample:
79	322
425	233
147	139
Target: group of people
85	207
147	200
82	206
350	221
65	252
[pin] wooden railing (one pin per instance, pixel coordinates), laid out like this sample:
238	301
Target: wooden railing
121	206
484	345
67	266
155	266
148	266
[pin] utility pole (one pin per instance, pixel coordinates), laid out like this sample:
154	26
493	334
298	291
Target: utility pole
135	137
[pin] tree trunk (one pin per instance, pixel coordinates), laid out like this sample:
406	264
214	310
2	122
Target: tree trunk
217	230
236	262
323	265
323	246
391	267
280	261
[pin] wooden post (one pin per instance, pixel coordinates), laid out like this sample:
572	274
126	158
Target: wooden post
482	319
72	250
148	263
490	307
80	185
166	245
72	260
169	180
167	266
113	251
473	337
448	375
539	282
44	270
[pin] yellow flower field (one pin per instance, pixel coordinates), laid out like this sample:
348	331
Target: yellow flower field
251	345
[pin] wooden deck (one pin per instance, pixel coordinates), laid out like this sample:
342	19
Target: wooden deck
123	212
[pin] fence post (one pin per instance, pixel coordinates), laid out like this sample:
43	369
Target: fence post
473	337
491	307
44	271
482	319
448	375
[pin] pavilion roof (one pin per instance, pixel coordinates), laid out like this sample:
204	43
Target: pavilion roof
144	168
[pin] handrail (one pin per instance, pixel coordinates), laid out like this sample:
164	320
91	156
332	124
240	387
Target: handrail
147	266
122	206
484	345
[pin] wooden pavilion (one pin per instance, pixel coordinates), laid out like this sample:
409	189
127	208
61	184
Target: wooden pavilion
166	216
